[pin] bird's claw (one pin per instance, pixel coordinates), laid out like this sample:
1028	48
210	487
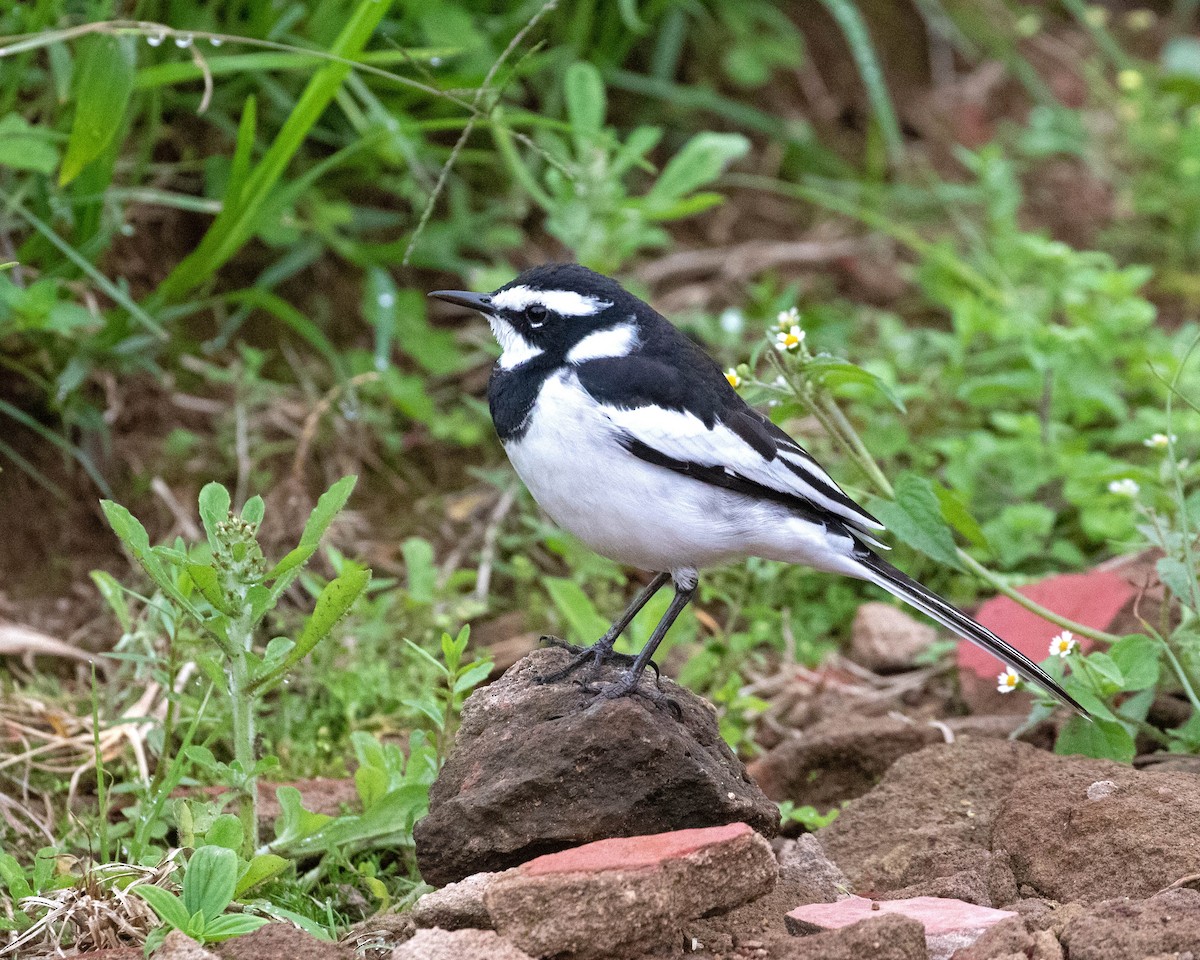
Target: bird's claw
598	653
629	684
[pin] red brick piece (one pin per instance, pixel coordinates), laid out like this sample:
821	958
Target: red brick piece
633	853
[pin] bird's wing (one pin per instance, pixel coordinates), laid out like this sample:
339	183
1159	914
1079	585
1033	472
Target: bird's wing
687	422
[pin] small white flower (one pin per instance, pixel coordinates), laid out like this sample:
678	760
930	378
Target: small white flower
788	341
1159	441
780	382
732	320
1008	681
733	377
1065	643
1125	487
788	318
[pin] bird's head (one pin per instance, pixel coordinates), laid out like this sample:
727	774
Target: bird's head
561	309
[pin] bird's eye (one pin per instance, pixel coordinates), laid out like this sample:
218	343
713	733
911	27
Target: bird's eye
535	313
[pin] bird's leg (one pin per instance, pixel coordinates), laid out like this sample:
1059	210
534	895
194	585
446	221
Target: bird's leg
602	649
628	681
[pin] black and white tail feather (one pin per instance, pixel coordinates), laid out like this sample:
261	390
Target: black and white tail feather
899	584
629	436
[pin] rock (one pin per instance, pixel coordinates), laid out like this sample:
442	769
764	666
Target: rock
281	941
995	807
1168	923
843	757
538	768
886	639
624	896
948	925
179	946
883	937
1141	833
437	944
376	937
803	862
456	905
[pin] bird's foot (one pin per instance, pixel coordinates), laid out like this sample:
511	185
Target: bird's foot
629	684
598	653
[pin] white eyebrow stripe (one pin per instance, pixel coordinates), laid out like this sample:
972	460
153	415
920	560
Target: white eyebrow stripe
566	303
618	341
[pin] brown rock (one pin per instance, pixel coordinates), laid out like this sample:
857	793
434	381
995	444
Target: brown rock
179	946
624	896
886	639
887	937
376	937
1168	923
436	944
281	941
538	768
957	807
456	905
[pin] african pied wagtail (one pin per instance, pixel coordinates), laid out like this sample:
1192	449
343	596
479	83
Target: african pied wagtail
630	437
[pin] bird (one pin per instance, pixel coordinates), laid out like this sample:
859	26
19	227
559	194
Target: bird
630	437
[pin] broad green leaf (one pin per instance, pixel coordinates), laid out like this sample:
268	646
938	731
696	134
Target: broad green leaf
586	105
253	510
833	372
1138	657
576	608
419	569
294	822
371	783
26	147
1103	739
915	517
209	584
1106	668
230	926
209	881
701	161
263	867
293	560
226	831
955	513
214	509
473	675
103	82
169	907
13	877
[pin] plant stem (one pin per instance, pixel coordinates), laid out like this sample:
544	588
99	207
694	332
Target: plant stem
242	708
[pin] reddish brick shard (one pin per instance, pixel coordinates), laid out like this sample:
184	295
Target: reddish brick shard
633	853
938	915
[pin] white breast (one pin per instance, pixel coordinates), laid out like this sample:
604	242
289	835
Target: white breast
644	515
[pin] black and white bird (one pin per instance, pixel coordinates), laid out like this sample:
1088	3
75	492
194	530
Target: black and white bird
630	437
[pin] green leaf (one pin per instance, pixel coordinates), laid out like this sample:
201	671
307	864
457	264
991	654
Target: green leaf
226	831
126	526
955	513
294	822
13	877
371	783
419	569
833	372
209	881
701	161
214	509
1103	739
328	506
253	510
293	560
26	147
114	595
915	517
209	584
473	675
1106	668
586	105
334	602
576	608
103	82
262	868
169	907
233	925
1138	657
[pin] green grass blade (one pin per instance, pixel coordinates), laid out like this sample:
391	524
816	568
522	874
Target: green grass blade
237	220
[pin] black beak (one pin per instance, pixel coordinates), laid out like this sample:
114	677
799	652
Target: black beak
475	301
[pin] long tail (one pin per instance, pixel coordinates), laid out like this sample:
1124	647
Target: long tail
883	574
